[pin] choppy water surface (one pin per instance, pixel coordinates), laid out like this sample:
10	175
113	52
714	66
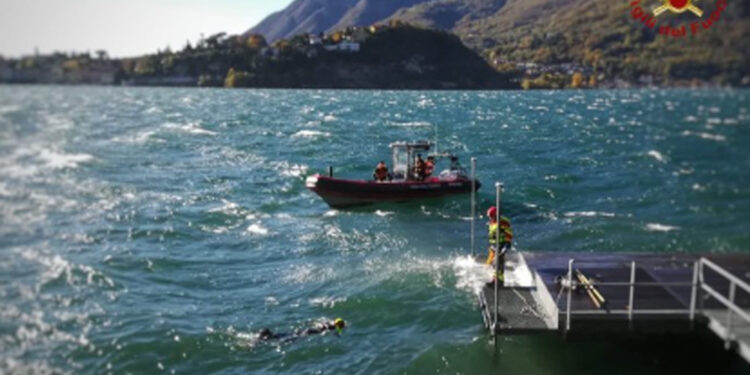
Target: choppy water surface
155	230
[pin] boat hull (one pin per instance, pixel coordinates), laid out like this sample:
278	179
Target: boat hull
347	193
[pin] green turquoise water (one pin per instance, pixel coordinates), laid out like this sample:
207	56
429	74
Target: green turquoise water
151	231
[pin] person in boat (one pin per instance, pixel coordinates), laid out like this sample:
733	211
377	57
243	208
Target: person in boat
381	173
429	166
419	168
455	165
336	325
496	252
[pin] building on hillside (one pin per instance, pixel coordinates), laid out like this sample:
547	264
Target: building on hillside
269	52
315	40
359	34
343	46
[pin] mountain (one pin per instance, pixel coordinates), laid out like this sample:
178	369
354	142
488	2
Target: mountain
315	16
303	16
554	38
602	38
448	14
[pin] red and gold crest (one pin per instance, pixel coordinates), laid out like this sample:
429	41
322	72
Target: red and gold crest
678	6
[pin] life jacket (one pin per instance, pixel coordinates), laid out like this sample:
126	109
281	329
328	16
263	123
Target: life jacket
429	167
419	167
507	233
381	173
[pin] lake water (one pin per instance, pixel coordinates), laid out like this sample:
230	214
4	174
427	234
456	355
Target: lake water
148	231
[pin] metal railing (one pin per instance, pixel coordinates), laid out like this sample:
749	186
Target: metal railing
630	309
697	284
729	301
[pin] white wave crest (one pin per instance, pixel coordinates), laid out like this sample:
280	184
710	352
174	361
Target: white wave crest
57	160
56	267
257	229
191	128
29	161
425	102
470	274
306	273
589	214
709	136
411	124
656	227
229	208
310	134
326	301
294	170
138	138
9	109
656	155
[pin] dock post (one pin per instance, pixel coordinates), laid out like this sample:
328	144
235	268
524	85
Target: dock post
330	171
694	293
498	191
473	201
570	295
728	336
632	292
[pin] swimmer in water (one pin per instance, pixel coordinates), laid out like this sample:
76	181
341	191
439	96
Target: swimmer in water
336	325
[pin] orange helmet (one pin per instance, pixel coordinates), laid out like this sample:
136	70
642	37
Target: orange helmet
492	212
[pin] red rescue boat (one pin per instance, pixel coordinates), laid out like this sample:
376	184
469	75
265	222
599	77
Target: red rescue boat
404	185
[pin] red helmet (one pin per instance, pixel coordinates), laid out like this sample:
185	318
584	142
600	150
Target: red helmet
492	212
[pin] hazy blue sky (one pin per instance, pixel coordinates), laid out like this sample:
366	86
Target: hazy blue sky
122	27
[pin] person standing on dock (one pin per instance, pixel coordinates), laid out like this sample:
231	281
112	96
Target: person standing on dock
496	252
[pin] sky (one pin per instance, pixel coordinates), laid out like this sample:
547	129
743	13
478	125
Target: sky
121	27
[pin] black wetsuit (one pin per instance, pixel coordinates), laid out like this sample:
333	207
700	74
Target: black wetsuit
267	335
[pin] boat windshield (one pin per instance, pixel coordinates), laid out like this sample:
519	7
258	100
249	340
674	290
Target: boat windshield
403	157
400	162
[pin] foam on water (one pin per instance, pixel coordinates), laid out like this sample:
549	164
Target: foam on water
589	214
257	229
57	160
229	208
656	155
31	160
470	274
410	124
190	128
326	301
656	227
709	136
140	137
310	134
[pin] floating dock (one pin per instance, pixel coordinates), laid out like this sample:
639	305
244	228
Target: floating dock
642	293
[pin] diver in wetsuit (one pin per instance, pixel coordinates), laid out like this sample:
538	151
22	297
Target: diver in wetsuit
337	325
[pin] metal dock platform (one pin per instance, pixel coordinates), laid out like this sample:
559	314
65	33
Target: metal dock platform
643	293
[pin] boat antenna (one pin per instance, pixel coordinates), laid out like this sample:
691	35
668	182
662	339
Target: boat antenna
436	139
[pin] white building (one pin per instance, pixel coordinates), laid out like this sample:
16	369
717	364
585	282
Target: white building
344	46
315	40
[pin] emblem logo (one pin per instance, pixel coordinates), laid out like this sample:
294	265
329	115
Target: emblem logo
678	6
667	27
